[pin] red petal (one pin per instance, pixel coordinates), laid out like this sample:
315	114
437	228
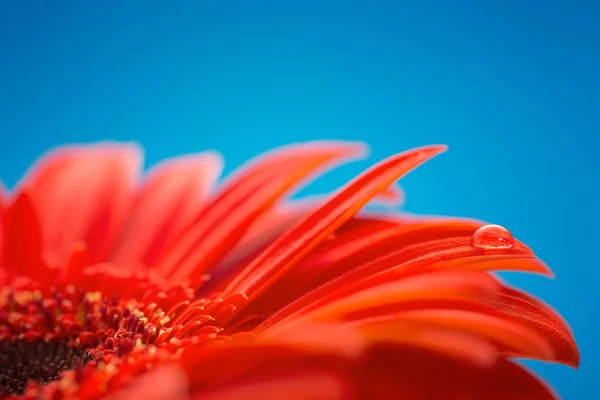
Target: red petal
273	224
81	194
362	243
320	338
351	246
410	373
369	221
393	196
436	289
444	247
291	247
352	340
223	223
451	343
268	229
265	231
167	202
299	386
434	286
513	338
23	240
531	312
211	366
163	382
383	372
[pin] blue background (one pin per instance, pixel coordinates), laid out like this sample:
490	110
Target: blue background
511	86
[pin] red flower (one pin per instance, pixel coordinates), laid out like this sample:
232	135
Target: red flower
173	288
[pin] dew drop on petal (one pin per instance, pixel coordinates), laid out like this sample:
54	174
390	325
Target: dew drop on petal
491	237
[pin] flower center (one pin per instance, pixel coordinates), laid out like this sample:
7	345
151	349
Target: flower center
67	334
44	334
22	361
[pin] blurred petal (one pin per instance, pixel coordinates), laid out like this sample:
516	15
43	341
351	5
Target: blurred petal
164	382
82	194
167	202
402	372
302	386
23	239
223	223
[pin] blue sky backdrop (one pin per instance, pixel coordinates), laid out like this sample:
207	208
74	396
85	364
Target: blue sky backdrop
511	86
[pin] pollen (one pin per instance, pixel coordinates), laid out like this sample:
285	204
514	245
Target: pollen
53	336
45	334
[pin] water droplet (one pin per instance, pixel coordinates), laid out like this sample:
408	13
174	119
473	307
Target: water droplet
492	237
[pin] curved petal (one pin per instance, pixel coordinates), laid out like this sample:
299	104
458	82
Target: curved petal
164	382
512	338
443	247
168	200
270	227
212	366
391	196
351	340
81	194
304	237
383	371
22	239
432	287
350	247
526	310
223	222
412	373
299	386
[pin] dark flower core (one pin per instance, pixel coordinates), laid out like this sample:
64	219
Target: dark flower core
39	361
44	334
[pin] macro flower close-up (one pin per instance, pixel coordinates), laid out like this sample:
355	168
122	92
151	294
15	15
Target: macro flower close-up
173	283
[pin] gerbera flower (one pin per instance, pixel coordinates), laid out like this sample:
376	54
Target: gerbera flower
170	286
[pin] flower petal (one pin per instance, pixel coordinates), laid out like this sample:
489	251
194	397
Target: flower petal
412	373
419	250
350	247
301	239
81	194
459	345
529	311
269	228
249	195
23	240
434	290
512	338
353	339
434	286
168	200
164	382
300	386
382	371
391	196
